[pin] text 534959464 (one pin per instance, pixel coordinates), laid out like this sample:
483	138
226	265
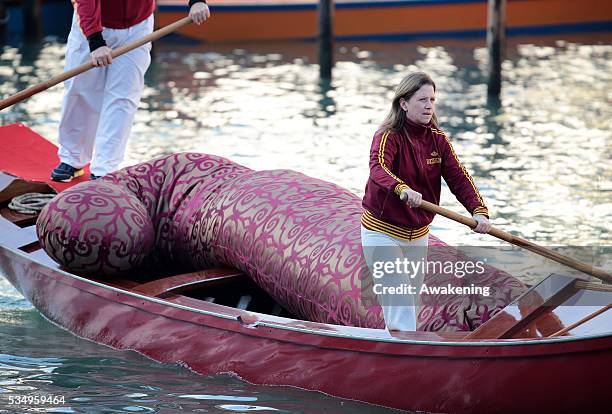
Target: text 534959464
35	399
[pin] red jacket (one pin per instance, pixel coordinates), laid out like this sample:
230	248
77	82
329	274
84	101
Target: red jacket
416	158
115	14
93	15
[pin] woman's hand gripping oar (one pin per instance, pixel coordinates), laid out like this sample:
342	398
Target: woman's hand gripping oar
517	241
26	93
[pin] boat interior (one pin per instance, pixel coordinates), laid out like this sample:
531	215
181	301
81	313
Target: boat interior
559	306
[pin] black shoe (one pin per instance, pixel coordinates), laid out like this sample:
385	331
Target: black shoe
93	177
65	173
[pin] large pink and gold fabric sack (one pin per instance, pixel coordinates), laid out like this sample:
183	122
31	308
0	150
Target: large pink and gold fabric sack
297	237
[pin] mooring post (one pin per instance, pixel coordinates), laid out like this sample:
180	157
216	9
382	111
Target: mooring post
325	39
32	19
496	43
3	19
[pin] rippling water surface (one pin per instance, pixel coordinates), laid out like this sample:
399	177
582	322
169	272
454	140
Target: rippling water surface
541	159
38	358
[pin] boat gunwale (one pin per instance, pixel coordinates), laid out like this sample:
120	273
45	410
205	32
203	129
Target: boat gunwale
272	5
331	330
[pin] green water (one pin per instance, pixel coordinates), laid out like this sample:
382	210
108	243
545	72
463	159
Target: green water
541	158
38	358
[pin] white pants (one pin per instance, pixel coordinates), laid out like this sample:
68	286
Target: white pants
400	311
99	105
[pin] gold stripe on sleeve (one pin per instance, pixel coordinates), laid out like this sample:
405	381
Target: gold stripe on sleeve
381	158
481	210
439	132
399	188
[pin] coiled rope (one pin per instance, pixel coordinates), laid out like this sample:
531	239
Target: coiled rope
30	203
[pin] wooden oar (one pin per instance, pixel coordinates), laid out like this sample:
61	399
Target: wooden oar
26	93
500	234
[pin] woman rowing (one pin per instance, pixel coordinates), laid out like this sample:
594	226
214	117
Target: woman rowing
409	156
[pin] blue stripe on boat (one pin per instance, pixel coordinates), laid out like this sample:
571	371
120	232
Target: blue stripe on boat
222	8
511	31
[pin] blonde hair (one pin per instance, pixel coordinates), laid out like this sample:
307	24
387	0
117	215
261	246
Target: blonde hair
396	117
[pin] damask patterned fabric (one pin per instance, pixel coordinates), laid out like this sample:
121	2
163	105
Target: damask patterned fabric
297	237
96	228
174	189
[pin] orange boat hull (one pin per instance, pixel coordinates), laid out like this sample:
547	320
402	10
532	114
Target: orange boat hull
252	20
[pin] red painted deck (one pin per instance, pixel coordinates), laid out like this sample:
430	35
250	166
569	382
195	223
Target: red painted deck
27	155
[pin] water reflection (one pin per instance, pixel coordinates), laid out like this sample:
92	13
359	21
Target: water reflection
540	155
92	378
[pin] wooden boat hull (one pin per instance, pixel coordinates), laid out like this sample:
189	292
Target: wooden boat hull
564	375
416	371
252	20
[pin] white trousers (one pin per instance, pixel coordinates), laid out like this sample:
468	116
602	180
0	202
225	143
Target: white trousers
400	311
99	105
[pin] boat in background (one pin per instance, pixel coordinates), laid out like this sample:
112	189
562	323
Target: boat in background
365	20
545	352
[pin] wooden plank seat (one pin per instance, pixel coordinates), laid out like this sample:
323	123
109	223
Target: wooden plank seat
41	256
19	219
189	281
584	320
13	236
534	313
17	229
12	187
551	292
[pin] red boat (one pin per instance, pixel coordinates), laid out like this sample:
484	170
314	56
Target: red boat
538	355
